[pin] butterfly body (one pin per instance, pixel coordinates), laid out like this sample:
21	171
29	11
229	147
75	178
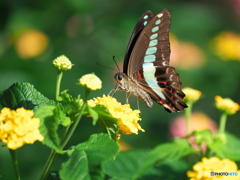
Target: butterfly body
128	84
146	71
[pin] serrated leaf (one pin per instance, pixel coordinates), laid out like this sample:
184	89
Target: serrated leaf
23	95
49	127
108	123
86	158
229	149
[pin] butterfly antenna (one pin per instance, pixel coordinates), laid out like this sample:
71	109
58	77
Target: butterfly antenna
106	67
116	63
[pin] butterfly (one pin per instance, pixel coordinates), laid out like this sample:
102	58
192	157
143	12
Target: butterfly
146	71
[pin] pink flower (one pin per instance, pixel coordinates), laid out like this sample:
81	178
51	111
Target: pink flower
185	55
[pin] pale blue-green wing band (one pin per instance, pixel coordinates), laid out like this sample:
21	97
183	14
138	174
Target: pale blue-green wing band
153	42
154	36
149	58
148	73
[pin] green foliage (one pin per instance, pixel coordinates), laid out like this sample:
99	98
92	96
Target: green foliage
139	163
86	158
23	95
227	149
70	105
61	117
49	126
128	162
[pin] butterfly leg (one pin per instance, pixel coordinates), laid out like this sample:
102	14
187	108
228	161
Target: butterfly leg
128	94
138	104
112	92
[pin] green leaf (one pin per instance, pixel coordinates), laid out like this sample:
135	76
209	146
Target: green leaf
170	170
76	167
136	164
171	151
108	123
61	117
227	149
71	106
204	136
93	114
23	95
48	127
126	164
86	158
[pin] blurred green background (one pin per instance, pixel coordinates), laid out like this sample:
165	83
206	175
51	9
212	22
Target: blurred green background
205	43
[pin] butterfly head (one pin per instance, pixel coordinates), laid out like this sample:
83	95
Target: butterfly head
119	77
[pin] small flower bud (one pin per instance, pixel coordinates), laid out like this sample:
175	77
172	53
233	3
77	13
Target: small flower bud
62	63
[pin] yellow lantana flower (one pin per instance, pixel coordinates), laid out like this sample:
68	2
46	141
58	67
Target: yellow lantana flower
18	127
226	105
192	95
204	170
127	118
91	81
226	45
31	43
62	63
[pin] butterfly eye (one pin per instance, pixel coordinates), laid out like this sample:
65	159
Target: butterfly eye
118	77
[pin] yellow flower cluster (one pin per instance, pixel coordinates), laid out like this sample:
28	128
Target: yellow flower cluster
192	95
91	81
202	170
18	127
62	63
226	45
226	105
127	118
31	43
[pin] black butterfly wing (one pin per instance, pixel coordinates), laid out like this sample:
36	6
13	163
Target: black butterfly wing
148	64
142	22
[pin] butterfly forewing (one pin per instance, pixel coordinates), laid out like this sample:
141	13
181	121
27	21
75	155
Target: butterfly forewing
142	22
152	44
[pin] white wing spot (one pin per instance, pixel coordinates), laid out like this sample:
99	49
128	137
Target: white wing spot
159	15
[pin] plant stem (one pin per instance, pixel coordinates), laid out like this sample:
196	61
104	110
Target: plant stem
223	120
48	164
58	84
15	163
188	112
